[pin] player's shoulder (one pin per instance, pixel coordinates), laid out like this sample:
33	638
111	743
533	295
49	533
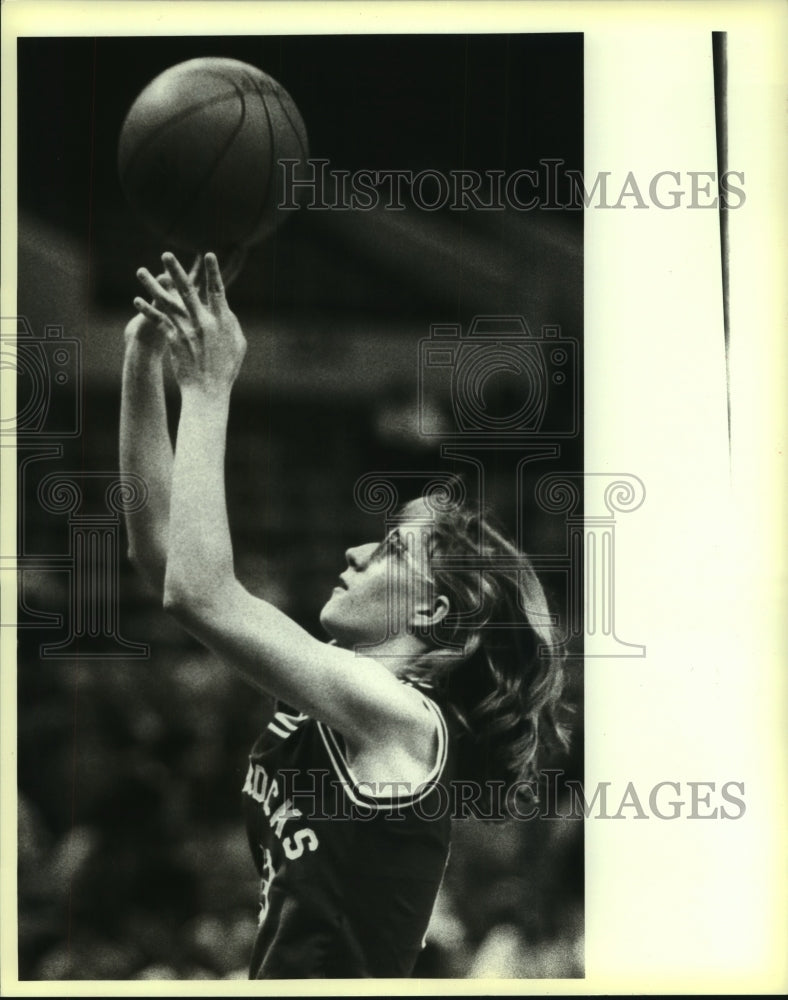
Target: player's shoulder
417	752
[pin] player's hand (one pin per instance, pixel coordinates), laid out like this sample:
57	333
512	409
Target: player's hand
141	329
204	335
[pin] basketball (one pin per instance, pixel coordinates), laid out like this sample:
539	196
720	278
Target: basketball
198	154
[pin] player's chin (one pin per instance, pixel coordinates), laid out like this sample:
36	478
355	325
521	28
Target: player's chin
335	624
328	617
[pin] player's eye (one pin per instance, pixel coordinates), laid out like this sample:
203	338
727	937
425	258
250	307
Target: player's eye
396	546
392	544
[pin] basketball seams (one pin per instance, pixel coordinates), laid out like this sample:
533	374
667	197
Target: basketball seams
275	91
175	120
291	123
271	157
200	186
185	185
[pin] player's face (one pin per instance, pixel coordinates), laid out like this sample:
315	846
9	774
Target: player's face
382	591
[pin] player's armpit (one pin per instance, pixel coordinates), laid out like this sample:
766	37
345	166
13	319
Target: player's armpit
354	695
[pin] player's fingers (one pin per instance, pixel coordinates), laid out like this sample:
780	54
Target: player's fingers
183	285
175	300
166	282
194	270
151	313
197	276
176	339
160	291
213	280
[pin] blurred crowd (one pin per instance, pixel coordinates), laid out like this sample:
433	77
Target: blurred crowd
133	861
132	858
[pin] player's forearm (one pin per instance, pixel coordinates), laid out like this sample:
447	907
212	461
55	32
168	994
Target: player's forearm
146	451
199	550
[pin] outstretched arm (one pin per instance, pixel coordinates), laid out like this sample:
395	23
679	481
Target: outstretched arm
145	447
358	697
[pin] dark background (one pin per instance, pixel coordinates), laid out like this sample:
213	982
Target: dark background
132	859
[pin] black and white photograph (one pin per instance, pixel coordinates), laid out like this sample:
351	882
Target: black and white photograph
390	544
404	346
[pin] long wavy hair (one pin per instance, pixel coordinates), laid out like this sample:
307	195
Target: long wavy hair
494	659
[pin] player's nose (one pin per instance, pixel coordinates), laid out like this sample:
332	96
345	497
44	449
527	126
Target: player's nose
358	556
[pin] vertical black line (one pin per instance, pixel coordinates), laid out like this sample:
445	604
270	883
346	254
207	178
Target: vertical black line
463	154
720	61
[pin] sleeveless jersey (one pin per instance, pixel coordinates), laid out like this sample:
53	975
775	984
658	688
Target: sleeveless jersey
349	872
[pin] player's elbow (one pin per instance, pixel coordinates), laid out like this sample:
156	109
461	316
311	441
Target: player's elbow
179	601
190	602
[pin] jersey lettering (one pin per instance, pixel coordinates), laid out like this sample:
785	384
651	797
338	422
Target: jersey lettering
257	785
282	724
264	790
265	884
260	788
256	782
283	813
273	791
294	846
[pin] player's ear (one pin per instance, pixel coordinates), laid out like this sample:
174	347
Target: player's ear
431	611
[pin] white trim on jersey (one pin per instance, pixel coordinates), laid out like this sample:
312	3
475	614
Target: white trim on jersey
352	785
284	724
